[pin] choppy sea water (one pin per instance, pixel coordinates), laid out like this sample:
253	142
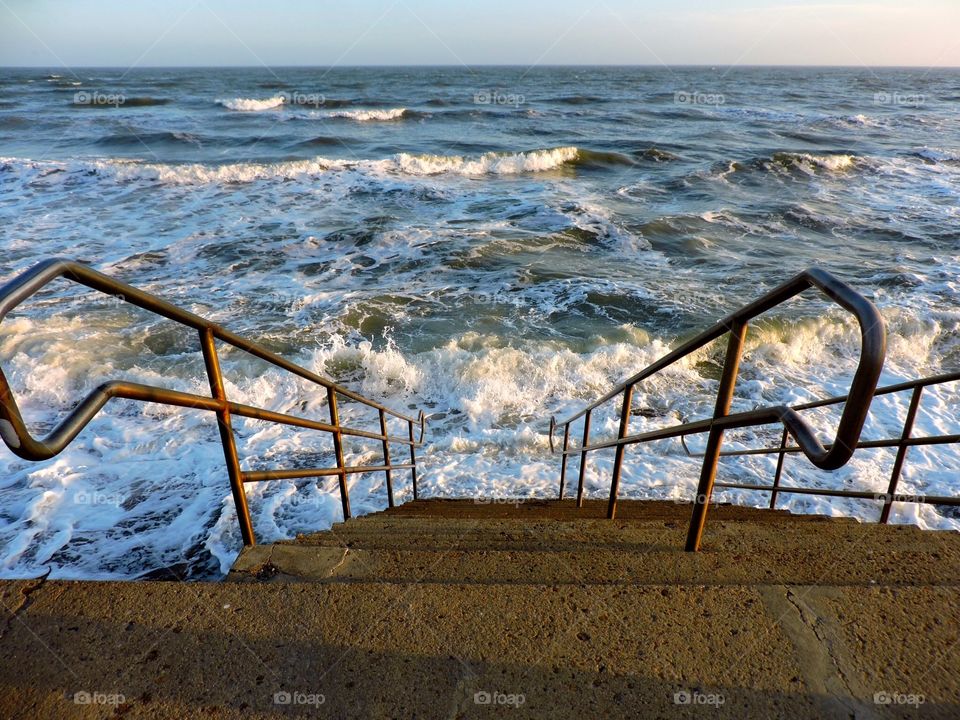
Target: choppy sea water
493	245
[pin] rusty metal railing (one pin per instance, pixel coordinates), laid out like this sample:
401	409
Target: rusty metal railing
903	443
18	438
829	457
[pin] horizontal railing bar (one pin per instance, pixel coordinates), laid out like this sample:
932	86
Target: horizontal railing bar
660	434
255	413
889	442
750	418
698	426
858	494
16	436
930	440
887	390
299	473
162	396
92	404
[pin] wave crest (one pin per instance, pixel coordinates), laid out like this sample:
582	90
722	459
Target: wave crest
808	162
488	163
198	174
791	163
369	115
252	104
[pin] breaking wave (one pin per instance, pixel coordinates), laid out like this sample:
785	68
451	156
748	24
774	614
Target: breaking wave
807	163
369	115
251	104
489	398
785	164
488	163
196	174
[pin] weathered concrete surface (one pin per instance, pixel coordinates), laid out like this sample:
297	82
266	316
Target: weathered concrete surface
451	541
418	631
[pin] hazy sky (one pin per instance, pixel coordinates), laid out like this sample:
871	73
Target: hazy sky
320	32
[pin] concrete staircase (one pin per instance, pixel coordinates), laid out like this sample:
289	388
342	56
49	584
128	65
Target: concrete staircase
548	542
456	609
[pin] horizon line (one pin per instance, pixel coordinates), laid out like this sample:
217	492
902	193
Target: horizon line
665	66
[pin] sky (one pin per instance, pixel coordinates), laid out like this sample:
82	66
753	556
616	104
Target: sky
128	33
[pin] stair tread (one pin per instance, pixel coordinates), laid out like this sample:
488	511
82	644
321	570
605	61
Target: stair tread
387	547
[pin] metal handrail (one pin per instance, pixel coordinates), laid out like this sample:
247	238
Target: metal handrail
903	443
17	437
829	457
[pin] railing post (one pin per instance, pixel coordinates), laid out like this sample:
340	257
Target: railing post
901	453
563	458
214	376
386	457
338	451
776	476
583	457
618	456
711	455
413	459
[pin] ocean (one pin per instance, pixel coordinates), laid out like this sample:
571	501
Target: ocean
494	245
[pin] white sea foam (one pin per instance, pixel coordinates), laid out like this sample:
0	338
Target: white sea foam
862	120
252	104
939	155
784	163
368	115
809	162
596	220
198	174
496	445
729	219
489	163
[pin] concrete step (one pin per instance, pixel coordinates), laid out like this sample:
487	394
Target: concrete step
448	611
383	650
416	548
435	534
526	510
504	525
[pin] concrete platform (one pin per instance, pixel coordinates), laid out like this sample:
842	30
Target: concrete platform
447	610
